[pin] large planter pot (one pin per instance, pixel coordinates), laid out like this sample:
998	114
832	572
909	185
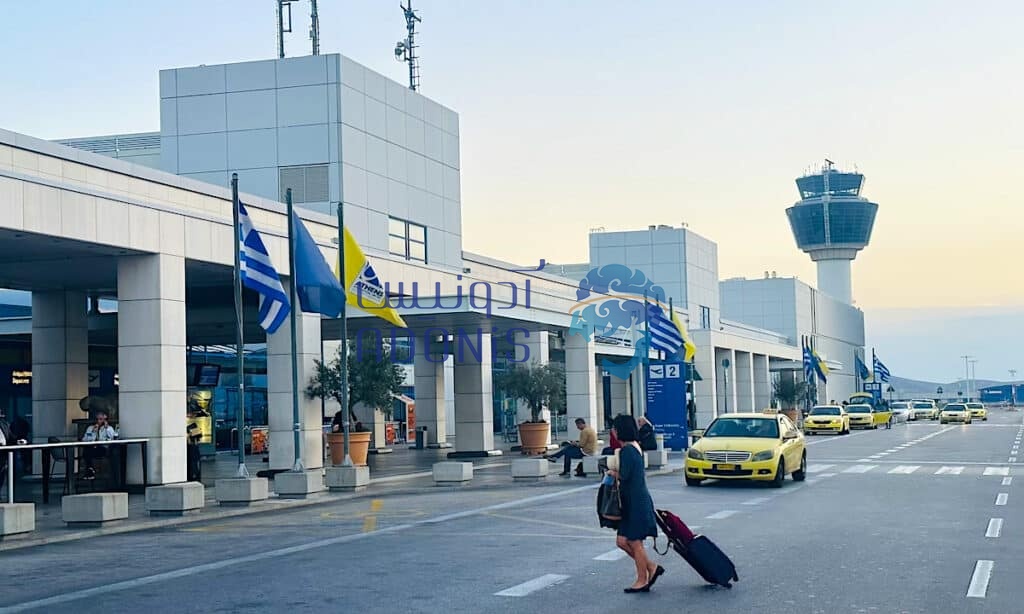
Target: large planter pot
534	437
359	447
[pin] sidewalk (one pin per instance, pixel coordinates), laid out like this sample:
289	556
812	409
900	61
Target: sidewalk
400	473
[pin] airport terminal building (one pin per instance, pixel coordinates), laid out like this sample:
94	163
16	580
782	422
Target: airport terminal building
125	245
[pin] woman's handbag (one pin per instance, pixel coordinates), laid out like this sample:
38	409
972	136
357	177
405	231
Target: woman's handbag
610	507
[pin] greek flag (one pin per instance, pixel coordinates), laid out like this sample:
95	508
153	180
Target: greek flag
809	361
665	335
258	274
881	371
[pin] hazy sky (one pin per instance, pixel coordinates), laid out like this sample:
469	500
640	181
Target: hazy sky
583	114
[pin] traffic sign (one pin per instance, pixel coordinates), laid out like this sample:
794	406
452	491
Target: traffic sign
938	390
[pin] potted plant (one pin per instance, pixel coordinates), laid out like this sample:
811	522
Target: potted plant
788	393
372	381
538	385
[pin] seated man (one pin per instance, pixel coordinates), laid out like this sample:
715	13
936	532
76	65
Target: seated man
101	431
575	450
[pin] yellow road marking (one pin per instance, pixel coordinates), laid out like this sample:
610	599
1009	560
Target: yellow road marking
548	522
370	522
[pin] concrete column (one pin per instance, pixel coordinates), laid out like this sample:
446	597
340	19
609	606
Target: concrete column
706	390
448	382
279	394
620	396
762	382
60	362
532	348
599	399
429	385
744	381
725	389
474	398
580	378
151	363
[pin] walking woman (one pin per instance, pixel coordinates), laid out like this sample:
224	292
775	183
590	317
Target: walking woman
637	522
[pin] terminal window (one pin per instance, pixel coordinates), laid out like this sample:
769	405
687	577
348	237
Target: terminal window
407	239
705	317
309	184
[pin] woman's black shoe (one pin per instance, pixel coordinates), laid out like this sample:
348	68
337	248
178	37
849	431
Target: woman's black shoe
657	573
642	589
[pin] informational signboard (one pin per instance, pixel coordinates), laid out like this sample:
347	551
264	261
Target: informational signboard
666	402
874	389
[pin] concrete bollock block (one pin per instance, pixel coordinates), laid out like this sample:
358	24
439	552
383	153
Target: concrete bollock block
656	459
452	472
17	518
94	509
590	464
241	491
347	479
175	499
529	469
298	484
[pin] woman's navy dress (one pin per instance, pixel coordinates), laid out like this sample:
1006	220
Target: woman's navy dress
637	507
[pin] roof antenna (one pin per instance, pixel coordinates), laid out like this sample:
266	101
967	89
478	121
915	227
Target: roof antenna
405	50
314	27
284	23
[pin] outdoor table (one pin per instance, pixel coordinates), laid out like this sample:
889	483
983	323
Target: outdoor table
47	449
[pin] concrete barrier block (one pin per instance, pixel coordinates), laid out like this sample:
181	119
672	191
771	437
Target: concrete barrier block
17	518
241	491
529	469
656	458
347	479
94	509
175	499
298	484
453	472
590	464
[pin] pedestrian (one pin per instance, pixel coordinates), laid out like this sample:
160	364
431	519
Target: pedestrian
647	439
586	445
638	521
100	431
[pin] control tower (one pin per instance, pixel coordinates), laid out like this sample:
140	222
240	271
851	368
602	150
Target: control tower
832	222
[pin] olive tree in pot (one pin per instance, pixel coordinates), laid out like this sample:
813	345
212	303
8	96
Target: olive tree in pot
539	386
789	393
373	380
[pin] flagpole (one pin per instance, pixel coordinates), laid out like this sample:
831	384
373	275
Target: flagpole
647	360
343	348
242	472
293	316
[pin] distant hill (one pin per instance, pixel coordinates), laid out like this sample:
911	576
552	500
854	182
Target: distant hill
904	386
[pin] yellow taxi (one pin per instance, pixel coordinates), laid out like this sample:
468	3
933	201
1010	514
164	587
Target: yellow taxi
827	419
748	446
955	412
978	410
861	416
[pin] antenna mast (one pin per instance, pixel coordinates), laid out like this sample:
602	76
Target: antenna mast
284	23
405	50
314	27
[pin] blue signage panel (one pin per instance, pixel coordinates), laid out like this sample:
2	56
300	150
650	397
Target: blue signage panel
874	389
666	401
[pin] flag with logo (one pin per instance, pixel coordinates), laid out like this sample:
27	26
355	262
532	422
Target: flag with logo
257	273
363	286
820	368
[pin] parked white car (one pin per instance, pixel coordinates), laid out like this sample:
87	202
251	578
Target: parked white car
900	411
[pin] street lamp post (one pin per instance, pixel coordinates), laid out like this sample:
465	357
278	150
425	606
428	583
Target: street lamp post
967	374
973	389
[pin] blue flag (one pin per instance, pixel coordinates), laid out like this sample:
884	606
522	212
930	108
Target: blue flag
862	369
318	289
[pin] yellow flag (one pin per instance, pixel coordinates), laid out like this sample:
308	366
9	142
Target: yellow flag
689	349
363	287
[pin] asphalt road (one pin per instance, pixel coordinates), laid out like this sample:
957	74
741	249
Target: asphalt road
920	518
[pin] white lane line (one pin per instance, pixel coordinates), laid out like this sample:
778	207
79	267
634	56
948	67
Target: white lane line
532	586
997	471
891	451
827	475
949	471
722	514
818	468
863	460
611	555
979	579
1012	459
1001	498
859	469
905	469
1007	481
995	527
876	456
757	501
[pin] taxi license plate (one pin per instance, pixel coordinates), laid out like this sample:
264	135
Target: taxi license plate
725	467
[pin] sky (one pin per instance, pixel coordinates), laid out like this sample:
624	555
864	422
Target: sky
580	114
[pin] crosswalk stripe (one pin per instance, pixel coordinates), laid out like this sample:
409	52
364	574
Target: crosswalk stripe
949	471
1007	481
1001	498
995	527
524	589
611	555
905	469
720	515
859	469
997	471
818	468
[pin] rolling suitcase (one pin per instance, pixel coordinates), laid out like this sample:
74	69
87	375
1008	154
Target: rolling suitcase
700	552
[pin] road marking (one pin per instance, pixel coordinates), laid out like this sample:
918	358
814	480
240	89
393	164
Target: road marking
1013	459
892	451
997	471
905	469
1001	498
1007	481
979	579
757	501
995	527
611	555
532	586
818	468
859	469
827	475
722	514
876	456
949	471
